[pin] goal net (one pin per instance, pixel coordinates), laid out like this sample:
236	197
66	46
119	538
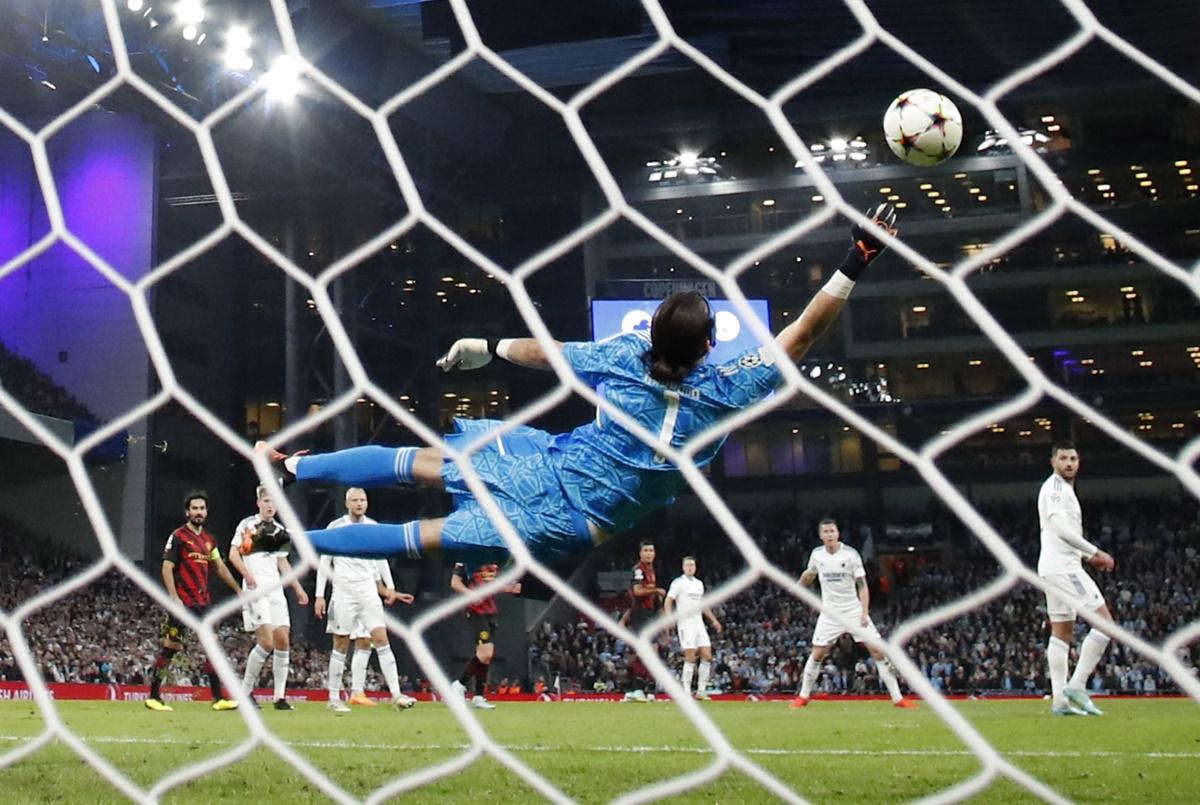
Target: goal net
955	276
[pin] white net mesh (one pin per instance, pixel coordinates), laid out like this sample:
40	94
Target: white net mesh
724	755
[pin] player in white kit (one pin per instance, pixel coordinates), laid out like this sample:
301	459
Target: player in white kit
259	552
685	592
1060	564
355	611
844	593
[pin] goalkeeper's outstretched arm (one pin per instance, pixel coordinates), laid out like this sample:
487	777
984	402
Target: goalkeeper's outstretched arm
799	336
473	353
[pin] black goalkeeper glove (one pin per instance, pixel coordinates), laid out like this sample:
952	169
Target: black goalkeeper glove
865	243
270	537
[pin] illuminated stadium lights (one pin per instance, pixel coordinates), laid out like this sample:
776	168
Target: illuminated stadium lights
922	365
189	32
974	191
449	395
960	176
189	12
994	143
1126	288
135	5
1193	349
981	198
1185	171
1145	416
687	167
1103	187
1087	361
1146	183
900	205
1181	163
1145	364
939	201
1078	300
818	198
1054	128
975	362
1137	353
283	79
893	197
933	194
1177	425
919	309
237	51
272	404
1025	433
1093	172
1141	175
1131	296
1072	293
768	202
885	190
1047	118
839	149
925	186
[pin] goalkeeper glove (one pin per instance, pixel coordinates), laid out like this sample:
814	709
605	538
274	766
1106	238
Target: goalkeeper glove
467	353
865	244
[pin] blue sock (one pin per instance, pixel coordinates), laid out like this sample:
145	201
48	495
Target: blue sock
372	465
369	540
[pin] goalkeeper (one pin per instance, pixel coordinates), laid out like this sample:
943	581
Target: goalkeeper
565	493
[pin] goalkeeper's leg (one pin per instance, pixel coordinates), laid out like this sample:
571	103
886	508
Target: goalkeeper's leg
412	539
367	466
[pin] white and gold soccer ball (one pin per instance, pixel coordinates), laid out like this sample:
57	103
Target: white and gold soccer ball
923	127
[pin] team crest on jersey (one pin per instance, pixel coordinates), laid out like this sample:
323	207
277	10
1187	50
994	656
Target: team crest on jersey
750	360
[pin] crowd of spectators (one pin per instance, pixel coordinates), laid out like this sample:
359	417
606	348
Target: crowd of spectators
36	391
998	647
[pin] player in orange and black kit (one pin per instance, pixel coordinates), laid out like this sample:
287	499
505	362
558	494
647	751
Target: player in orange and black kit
646	597
186	559
482	617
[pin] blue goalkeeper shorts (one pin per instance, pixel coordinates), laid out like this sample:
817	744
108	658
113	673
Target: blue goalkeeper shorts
518	470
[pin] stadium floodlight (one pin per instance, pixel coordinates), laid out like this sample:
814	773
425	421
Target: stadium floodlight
135	5
688	167
189	12
189	32
844	150
238	38
283	79
838	144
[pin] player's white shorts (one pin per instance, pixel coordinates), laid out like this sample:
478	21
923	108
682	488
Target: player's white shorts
1074	585
693	635
828	631
354	612
271	609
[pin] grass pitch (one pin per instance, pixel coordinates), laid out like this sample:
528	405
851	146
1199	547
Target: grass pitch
1140	751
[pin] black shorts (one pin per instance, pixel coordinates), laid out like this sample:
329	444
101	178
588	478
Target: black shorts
484	626
176	630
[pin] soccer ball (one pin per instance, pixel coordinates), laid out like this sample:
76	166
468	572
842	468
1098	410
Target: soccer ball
923	127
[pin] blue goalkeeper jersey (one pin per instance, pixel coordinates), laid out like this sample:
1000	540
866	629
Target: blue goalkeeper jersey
609	474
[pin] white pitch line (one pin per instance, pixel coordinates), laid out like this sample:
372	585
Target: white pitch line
695	750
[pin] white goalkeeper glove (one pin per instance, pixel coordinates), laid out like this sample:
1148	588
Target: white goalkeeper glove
466	353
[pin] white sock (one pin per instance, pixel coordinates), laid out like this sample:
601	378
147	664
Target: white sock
1056	658
702	682
812	670
254	663
337	665
280	667
888	675
1093	648
358	670
689	668
387	663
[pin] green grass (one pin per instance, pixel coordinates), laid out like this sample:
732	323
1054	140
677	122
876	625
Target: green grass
1141	751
